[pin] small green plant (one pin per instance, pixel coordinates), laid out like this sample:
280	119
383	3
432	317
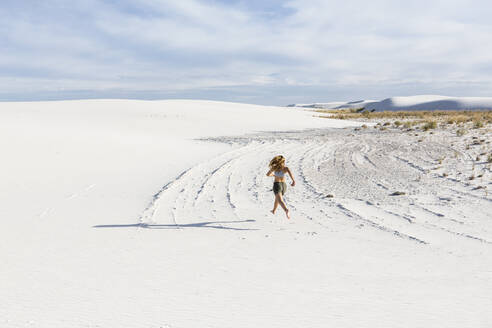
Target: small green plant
429	125
461	132
397	123
489	159
478	124
386	123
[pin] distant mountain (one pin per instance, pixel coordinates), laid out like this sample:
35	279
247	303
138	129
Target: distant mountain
423	102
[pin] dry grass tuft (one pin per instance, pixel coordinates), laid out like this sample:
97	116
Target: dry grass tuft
457	119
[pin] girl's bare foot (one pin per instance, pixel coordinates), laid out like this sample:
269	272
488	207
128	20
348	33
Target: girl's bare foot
287	213
273	212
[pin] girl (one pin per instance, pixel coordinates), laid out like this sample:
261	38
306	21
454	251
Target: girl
278	170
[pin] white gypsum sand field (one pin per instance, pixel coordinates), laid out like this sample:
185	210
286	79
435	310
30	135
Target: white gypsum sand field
156	214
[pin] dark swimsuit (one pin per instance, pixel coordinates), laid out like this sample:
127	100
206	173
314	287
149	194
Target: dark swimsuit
279	187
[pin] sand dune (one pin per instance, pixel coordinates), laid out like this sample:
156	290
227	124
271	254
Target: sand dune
423	102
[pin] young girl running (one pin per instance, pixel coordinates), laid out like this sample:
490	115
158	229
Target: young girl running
278	170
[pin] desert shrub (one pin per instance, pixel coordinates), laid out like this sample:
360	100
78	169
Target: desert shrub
489	159
364	126
386	123
429	125
397	123
449	117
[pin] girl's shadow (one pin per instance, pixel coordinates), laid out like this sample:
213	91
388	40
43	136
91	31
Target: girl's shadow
211	225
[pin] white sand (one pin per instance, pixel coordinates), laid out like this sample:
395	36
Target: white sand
422	102
116	216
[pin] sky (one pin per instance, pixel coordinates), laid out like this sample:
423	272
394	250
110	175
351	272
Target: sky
265	52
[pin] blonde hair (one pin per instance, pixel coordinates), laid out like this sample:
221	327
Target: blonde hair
277	163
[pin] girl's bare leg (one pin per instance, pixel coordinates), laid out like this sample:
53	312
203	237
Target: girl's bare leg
280	200
275	205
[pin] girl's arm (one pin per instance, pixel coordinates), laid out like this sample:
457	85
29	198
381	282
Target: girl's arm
291	177
269	173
